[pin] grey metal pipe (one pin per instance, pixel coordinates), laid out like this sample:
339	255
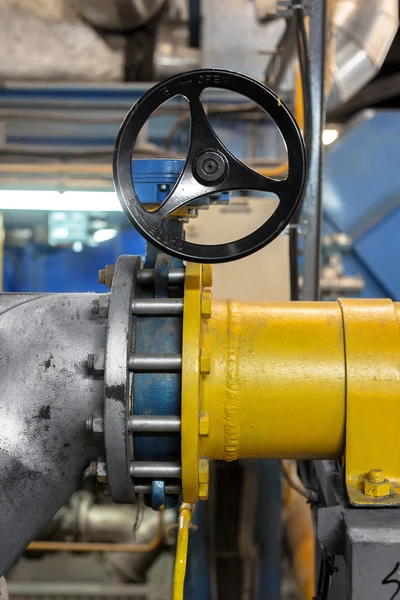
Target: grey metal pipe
153	424
175	276
362	31
42	431
155	363
312	211
154	470
92	522
162	307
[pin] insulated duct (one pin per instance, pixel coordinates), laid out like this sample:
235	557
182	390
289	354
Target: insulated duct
362	32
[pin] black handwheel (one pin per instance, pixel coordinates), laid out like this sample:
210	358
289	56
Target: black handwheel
210	168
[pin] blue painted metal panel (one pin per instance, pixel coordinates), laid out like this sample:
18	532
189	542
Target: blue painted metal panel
362	197
35	269
380	249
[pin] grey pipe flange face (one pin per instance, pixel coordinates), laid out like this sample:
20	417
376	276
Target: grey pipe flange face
118	379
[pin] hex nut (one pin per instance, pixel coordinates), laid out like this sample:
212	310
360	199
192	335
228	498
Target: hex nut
203	478
206	271
98	363
206	304
101	472
204	424
90	361
106	275
95	363
109	275
98	422
104	305
205	361
376	485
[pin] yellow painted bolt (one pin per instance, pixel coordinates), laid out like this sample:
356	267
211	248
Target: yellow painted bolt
203	478
206	304
206	271
203	491
204	424
376	476
203	470
376	485
205	361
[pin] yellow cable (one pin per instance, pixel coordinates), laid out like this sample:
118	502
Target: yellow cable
185	516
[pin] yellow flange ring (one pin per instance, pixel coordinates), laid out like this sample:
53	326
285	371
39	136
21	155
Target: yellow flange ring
190	393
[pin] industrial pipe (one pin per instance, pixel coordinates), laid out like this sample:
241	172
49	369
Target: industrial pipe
362	33
276	386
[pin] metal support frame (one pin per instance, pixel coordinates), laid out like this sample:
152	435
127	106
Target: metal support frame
367	539
312	212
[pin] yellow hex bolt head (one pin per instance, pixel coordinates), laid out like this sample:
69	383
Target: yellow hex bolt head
204	424
376	485
203	478
205	361
203	470
206	304
206	271
203	491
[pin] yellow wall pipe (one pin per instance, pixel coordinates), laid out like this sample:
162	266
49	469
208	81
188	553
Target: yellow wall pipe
299	533
276	386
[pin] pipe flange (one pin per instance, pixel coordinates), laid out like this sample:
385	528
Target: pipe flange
118	379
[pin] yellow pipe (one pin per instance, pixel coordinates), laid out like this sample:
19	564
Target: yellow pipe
185	515
276	383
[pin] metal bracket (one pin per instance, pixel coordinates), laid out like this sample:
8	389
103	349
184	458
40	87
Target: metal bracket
372	353
284	8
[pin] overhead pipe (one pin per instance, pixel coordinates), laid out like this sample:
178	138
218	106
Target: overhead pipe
362	33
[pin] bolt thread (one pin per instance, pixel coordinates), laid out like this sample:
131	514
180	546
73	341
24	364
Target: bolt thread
376	476
102	276
89	423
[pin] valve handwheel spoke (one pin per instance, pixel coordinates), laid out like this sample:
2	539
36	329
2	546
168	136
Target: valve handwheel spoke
210	168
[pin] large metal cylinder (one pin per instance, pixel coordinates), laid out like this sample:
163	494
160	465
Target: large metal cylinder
276	387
